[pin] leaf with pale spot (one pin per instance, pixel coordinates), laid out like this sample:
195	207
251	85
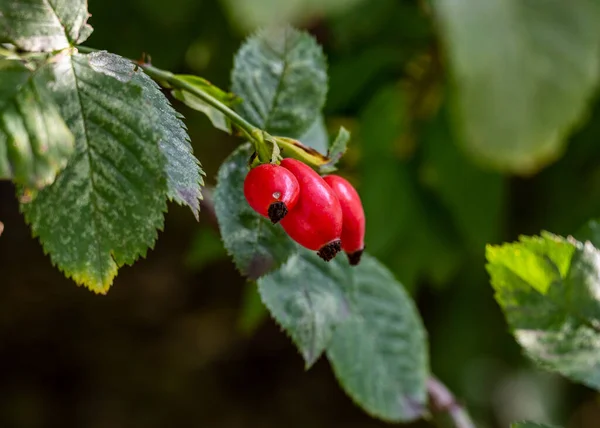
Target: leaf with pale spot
183	170
44	25
104	209
365	321
256	245
549	290
35	142
281	76
379	353
306	299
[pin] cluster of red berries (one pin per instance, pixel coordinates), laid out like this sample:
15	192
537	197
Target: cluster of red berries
323	214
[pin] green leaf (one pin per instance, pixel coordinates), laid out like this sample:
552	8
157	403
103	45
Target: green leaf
306	297
44	25
255	244
337	150
365	321
104	210
183	170
520	92
549	290
527	424
316	136
281	75
379	353
218	119
35	143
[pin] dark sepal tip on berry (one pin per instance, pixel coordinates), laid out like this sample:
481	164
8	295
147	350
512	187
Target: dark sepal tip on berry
277	211
354	258
329	251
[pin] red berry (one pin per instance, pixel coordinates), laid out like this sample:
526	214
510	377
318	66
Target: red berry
316	221
272	191
353	228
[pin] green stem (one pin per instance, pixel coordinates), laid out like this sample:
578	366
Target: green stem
261	140
250	130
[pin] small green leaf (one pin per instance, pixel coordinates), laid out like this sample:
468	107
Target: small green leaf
520	92
281	75
218	119
337	150
256	245
527	424
316	136
306	297
104	209
183	170
379	353
44	25
35	142
549	290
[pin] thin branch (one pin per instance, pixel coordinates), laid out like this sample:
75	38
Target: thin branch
442	401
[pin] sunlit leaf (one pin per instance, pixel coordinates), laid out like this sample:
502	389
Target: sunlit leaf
44	25
104	209
549	290
281	75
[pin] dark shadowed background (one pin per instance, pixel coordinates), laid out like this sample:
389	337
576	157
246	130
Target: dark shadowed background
176	342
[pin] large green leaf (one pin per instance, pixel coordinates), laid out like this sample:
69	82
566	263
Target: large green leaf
365	321
44	25
35	142
549	290
379	353
104	210
183	171
256	245
520	91
281	75
306	297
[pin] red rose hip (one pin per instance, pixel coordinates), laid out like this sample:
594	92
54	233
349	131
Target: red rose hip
316	220
353	227
271	190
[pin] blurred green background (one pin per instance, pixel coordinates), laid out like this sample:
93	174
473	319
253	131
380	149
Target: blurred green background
179	340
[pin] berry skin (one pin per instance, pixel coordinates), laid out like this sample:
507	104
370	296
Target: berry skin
316	221
353	228
271	190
